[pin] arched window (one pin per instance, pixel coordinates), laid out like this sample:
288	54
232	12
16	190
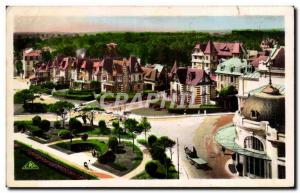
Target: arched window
251	142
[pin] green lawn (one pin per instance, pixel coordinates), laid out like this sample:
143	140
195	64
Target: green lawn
126	160
42	171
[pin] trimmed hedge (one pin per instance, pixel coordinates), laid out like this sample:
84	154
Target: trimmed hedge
201	109
75	95
64	134
36	107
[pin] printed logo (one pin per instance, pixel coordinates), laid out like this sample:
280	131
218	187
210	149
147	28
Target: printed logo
30	166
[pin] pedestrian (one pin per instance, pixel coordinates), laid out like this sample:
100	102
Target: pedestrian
85	164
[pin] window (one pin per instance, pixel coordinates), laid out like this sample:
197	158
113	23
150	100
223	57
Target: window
231	79
281	172
254	114
281	150
252	142
242	70
206	57
193	75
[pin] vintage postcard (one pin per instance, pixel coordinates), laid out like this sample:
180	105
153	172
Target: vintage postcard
150	97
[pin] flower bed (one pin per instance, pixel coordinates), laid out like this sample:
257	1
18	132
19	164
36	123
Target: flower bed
55	164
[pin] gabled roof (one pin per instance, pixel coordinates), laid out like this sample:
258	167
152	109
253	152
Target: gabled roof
221	48
192	76
31	52
255	62
210	48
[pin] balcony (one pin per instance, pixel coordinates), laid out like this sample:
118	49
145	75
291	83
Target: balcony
247	124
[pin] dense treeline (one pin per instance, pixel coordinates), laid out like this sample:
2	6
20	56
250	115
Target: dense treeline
151	47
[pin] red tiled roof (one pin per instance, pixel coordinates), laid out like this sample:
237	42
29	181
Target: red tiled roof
279	59
221	48
256	60
228	48
210	48
32	52
195	76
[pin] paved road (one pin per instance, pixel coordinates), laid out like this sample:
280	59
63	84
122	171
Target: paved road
182	128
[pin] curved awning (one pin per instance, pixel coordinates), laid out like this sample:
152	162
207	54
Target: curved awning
226	138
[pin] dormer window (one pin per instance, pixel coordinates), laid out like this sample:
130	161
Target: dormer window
222	68
232	69
242	70
254	114
193	75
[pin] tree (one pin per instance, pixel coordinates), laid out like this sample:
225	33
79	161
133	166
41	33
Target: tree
74	125
46	56
145	125
36	120
167	143
132	126
113	143
19	67
57	125
116	125
61	108
84	137
23	96
151	140
102	125
96	86
45	125
89	113
151	168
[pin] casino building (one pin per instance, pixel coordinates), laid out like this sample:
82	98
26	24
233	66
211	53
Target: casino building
257	136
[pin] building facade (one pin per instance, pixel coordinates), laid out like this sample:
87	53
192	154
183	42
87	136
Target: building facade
190	86
30	59
229	71
257	137
207	56
155	77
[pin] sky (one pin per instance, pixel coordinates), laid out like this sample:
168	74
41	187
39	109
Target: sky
141	24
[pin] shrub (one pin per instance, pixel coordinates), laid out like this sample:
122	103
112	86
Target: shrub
64	134
151	168
45	125
84	137
143	142
102	124
151	140
34	130
35	107
36	120
74	124
57	125
109	156
22	125
158	153
103	129
76	95
113	143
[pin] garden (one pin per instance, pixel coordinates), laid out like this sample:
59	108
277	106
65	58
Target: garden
45	167
161	166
